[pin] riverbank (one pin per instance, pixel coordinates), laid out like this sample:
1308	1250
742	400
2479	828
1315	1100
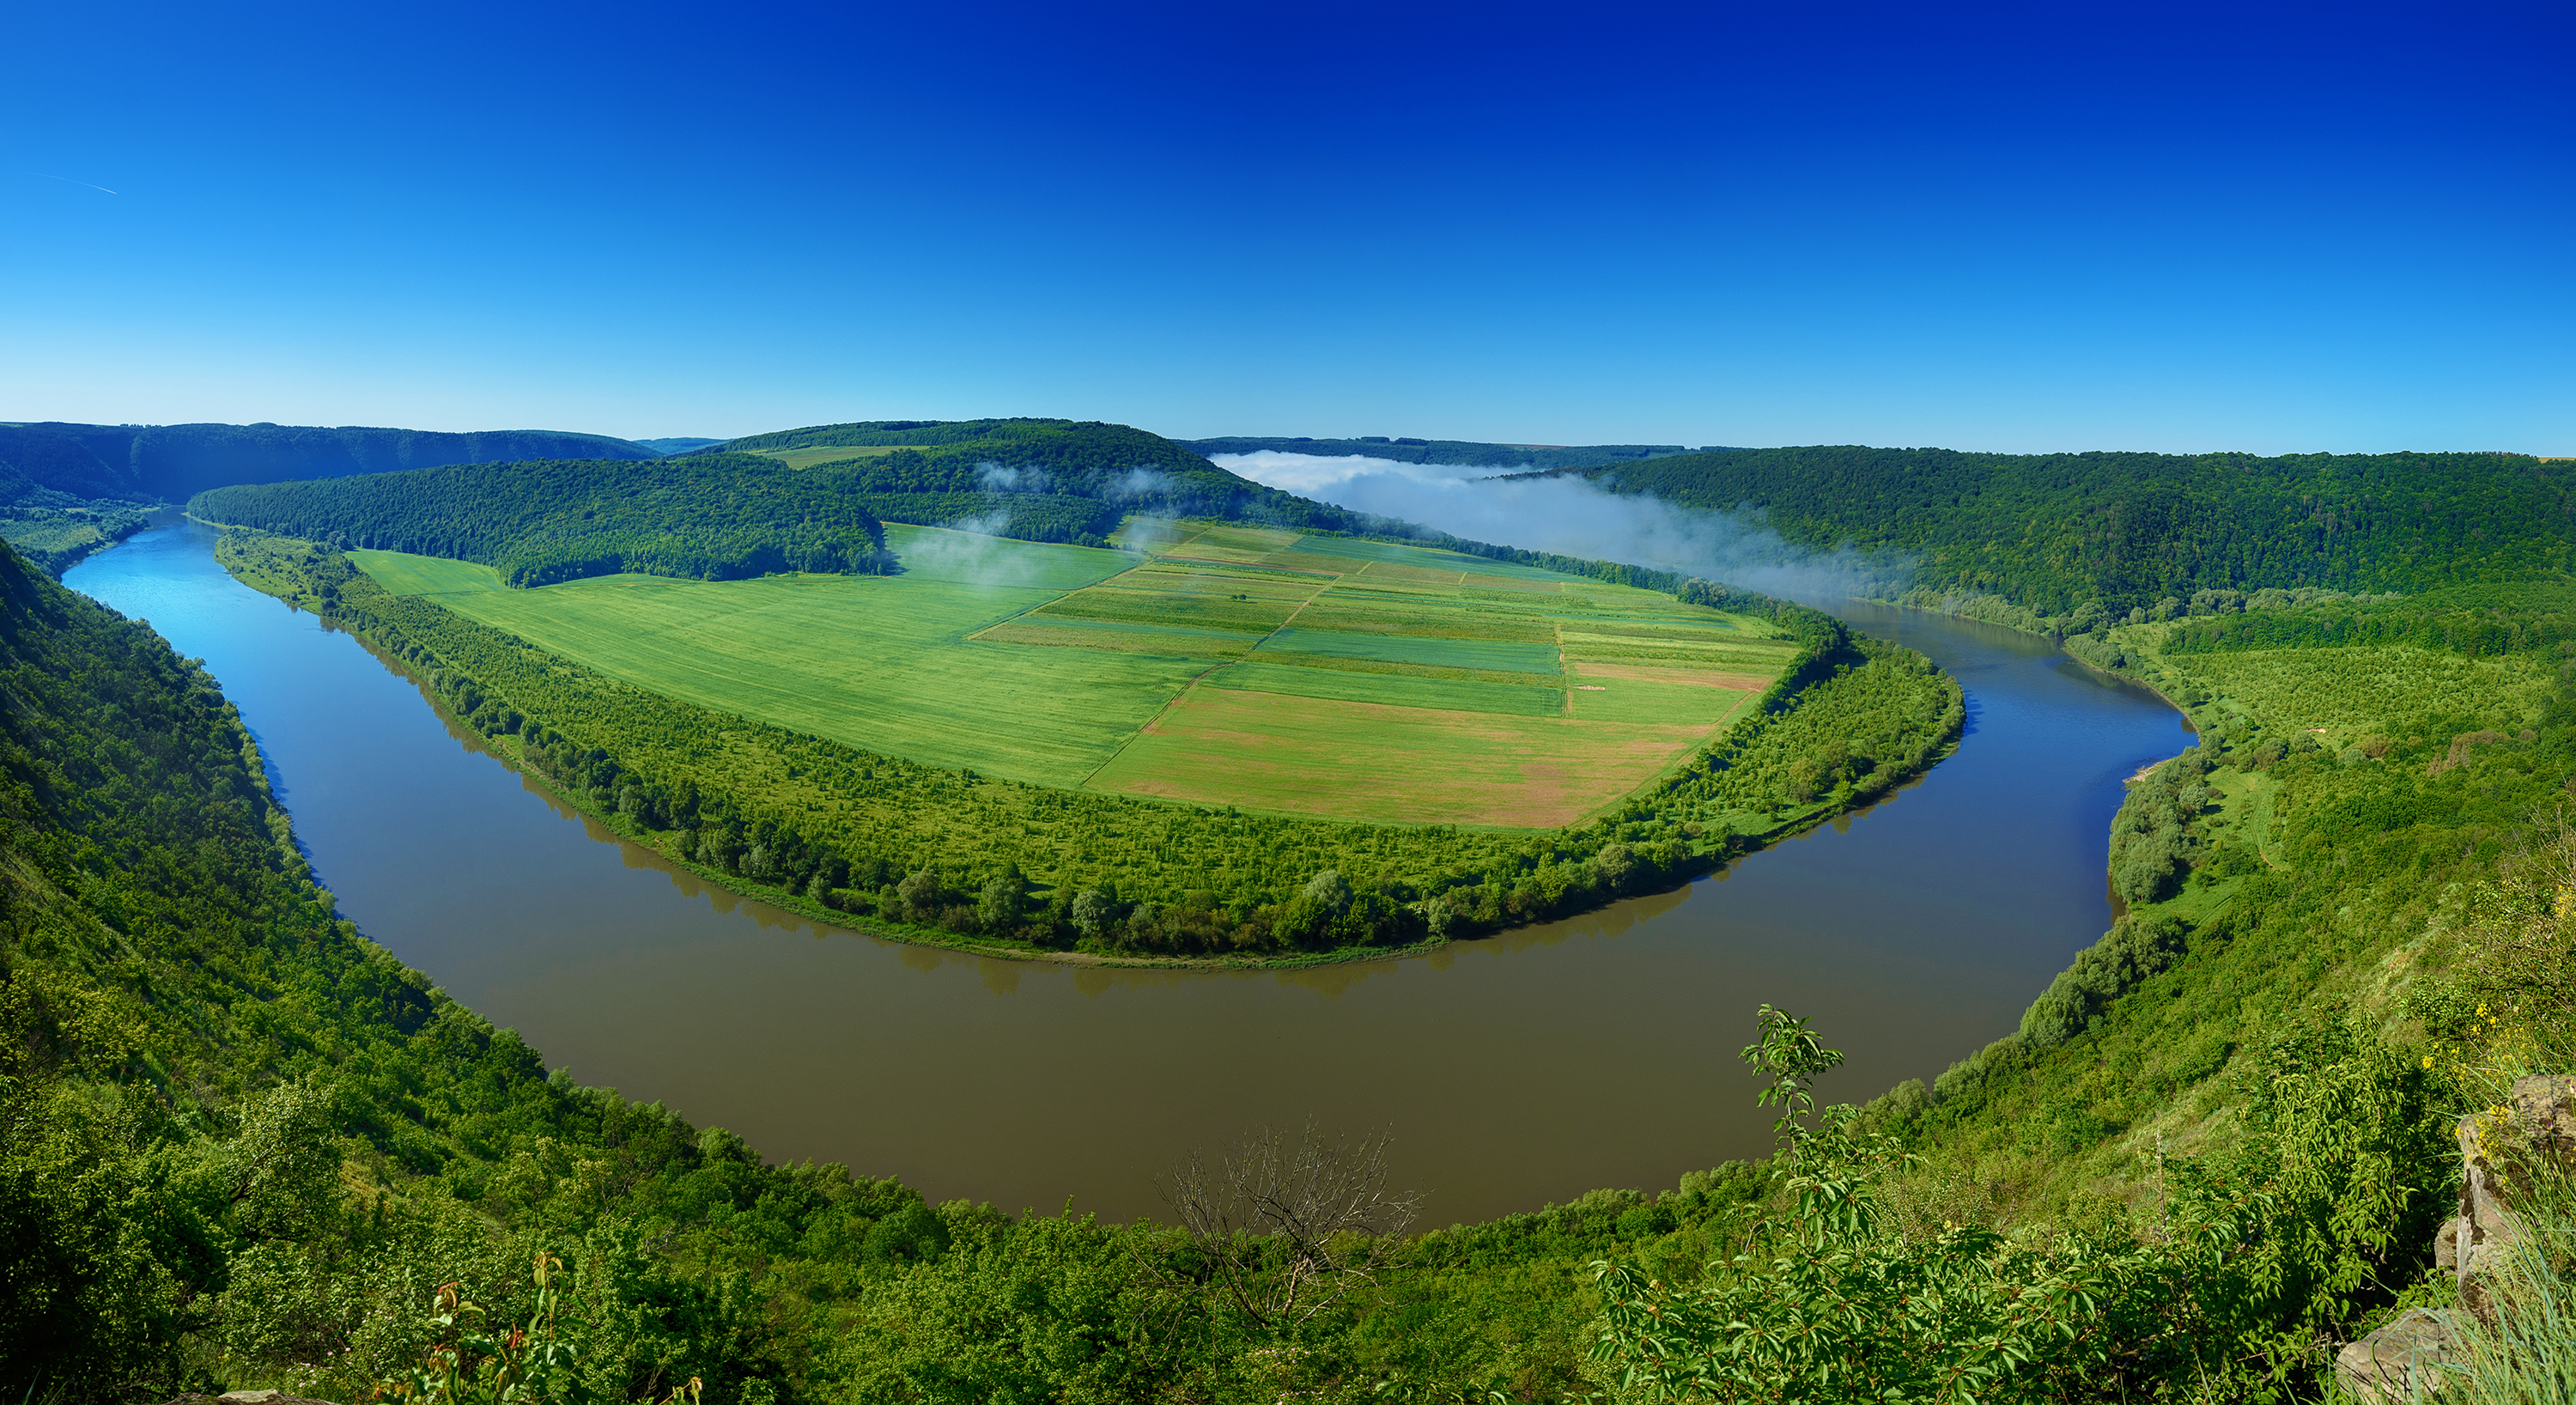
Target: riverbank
1517	1069
1850	721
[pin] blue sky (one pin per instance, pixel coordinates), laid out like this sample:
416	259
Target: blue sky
2152	226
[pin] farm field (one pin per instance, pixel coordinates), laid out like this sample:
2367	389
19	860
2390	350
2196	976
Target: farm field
808	457
1271	751
1215	664
405	574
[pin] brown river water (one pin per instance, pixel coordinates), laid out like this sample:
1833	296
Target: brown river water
1512	1072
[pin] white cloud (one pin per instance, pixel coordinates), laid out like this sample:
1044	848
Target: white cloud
1576	517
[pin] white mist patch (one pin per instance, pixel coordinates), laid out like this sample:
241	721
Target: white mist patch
1138	485
1002	478
1575	517
973	552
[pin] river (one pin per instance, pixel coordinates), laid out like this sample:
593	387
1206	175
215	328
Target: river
1512	1072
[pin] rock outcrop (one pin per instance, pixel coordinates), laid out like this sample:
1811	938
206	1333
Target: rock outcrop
2501	1150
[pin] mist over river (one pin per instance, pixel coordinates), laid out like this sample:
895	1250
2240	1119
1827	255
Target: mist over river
1513	1072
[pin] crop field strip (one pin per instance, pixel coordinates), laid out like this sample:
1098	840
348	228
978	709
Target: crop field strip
1399	683
808	457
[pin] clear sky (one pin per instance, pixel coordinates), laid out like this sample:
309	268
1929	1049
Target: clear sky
2155	226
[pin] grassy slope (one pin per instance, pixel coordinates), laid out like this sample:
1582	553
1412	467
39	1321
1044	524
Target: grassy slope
2330	876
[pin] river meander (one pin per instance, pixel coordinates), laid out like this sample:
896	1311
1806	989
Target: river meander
1513	1072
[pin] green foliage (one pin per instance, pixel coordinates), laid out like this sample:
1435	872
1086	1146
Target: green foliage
172	461
2221	1288
532	1362
1834	1303
2156	836
1443	451
710	518
2057	532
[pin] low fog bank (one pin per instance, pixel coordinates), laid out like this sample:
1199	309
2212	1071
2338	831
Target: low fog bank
1577	518
971	552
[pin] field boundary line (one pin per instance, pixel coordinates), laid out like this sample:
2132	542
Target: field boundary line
1182	696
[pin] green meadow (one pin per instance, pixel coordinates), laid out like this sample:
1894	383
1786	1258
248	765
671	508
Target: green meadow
405	574
808	457
878	662
1223	664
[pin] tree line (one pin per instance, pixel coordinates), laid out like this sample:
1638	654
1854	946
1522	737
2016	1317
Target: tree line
708	518
2054	532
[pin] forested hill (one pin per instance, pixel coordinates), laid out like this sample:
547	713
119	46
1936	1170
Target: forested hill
172	461
2052	532
1451	451
1038	479
38	459
719	517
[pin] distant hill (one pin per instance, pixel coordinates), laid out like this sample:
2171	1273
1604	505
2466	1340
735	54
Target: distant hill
2052	532
675	446
34	458
1457	451
709	518
1036	479
174	461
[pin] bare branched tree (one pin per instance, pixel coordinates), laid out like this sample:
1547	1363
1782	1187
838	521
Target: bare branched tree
1286	1227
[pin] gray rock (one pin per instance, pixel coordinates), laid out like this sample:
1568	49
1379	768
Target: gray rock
2539	1122
2399	1363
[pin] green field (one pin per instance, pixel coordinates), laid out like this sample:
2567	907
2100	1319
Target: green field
1391	689
1377	667
1435	653
808	457
405	574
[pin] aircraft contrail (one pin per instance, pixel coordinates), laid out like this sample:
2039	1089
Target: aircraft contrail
69	181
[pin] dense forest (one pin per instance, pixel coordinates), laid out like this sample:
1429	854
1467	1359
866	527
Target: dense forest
1042	475
2059	534
1453	451
959	858
169	462
241	1146
59	502
719	517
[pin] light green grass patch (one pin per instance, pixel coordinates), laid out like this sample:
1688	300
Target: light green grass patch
971	558
1208	645
1149	607
832	453
1499	655
402	573
882	663
1391	689
1615	699
1403	765
1428	622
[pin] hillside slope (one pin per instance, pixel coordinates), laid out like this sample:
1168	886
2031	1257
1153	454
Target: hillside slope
718	517
169	462
1450	451
1035	479
2056	533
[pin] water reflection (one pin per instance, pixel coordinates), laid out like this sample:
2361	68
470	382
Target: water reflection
1514	1071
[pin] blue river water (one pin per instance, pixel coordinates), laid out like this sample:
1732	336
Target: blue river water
1512	1072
